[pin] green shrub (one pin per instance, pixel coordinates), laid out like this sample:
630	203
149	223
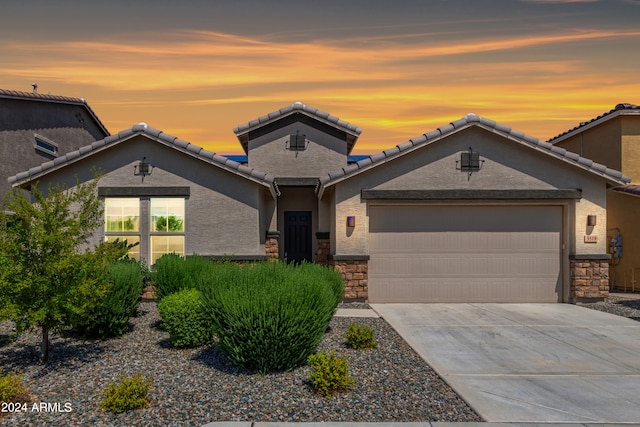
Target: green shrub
184	318
360	337
172	273
129	393
12	389
330	373
271	316
111	316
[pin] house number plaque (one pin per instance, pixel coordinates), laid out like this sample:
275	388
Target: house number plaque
591	238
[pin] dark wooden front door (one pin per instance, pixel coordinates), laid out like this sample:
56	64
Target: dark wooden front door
297	236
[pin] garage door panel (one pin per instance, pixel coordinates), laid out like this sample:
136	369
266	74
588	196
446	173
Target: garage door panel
453	290
420	242
444	265
511	254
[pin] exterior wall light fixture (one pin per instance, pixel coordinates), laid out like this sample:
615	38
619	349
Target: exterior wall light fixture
351	221
591	220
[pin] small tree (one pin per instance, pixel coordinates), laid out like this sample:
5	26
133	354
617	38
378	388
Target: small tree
50	279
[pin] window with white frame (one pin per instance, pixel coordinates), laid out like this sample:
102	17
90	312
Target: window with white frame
122	222
166	226
45	145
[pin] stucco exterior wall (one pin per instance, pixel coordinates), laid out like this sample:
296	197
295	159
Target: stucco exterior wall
507	165
324	153
600	144
624	212
631	147
20	120
221	213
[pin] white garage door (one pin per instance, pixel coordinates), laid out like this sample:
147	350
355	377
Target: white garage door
465	253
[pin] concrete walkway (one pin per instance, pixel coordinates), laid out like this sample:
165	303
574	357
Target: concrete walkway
529	363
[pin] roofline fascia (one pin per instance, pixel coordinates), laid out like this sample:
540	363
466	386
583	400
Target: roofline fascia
298	111
30	179
322	186
592	124
70	101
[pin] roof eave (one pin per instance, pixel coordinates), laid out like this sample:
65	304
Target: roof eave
25	179
596	122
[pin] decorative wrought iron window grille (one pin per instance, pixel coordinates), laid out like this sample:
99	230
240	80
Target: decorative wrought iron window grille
469	162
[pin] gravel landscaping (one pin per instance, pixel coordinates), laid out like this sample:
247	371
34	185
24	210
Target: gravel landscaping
198	386
620	304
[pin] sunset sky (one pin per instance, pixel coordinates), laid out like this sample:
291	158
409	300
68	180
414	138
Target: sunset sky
397	69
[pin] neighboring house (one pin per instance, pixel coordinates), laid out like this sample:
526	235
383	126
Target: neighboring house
613	139
472	211
35	128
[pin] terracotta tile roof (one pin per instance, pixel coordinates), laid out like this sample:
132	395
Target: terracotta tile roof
31	96
633	189
185	147
617	110
465	122
298	108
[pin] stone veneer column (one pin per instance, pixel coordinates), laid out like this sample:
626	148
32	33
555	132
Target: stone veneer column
589	277
354	269
272	245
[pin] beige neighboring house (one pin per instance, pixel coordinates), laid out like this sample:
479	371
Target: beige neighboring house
613	139
473	211
35	128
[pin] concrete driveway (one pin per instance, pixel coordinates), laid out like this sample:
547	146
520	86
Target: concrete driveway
529	362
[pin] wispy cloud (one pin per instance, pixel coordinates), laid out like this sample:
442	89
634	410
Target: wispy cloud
199	84
206	59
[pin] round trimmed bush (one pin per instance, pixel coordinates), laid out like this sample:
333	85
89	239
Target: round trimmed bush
271	316
184	318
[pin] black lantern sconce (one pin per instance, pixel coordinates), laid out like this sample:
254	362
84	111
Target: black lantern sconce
591	220
143	168
469	162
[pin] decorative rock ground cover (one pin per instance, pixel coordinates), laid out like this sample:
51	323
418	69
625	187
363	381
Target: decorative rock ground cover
198	386
195	387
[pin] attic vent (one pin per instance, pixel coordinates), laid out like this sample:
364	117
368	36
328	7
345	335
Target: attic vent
297	142
469	162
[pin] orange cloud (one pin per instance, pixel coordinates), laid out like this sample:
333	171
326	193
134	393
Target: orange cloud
199	85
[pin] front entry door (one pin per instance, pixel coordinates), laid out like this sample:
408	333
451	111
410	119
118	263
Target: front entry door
297	236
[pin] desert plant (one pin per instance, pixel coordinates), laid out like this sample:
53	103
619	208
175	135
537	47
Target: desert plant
172	273
126	394
52	279
184	318
360	337
111	315
12	388
271	316
330	374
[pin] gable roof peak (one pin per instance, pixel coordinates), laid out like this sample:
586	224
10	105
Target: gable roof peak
296	107
54	99
185	147
465	122
352	132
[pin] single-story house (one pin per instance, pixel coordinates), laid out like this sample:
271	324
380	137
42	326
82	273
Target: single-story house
472	211
613	139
